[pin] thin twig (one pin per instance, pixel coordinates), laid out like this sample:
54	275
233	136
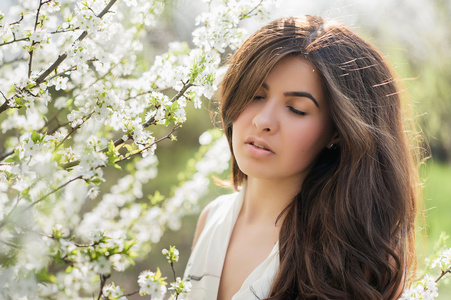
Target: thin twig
9	244
72	131
5	219
186	86
168	136
55	116
6	154
63	56
443	274
148	92
131	294
30	62
151	121
248	14
26	39
103	279
4	106
15	41
62	73
17	22
6	99
54	191
173	271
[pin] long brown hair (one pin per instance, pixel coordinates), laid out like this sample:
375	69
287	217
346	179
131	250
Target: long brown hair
349	232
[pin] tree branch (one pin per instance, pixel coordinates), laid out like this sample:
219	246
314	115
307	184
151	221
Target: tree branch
72	131
151	121
47	123
443	274
54	191
186	86
168	136
103	279
25	39
30	62
131	294
6	99
249	13
17	22
6	154
63	73
4	106
63	56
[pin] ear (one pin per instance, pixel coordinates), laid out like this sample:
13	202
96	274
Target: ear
334	141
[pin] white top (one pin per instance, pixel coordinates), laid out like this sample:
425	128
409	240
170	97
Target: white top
204	267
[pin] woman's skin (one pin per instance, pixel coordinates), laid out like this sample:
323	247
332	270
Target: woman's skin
275	140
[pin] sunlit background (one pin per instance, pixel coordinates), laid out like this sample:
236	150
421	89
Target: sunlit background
415	36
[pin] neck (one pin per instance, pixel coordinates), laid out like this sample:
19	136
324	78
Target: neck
266	199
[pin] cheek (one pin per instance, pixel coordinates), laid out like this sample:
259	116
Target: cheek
312	140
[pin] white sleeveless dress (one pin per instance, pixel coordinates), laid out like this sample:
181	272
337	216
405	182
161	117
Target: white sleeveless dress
204	267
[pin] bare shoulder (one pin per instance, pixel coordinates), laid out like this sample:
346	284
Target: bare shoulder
211	207
201	223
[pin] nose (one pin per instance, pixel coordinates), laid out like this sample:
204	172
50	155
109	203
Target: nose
265	118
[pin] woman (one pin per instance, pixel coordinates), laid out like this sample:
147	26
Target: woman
328	186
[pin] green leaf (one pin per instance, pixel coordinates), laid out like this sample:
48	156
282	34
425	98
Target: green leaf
35	137
96	181
13	158
156	198
117	166
19	101
30	85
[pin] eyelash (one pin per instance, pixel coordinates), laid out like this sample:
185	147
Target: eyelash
292	109
298	112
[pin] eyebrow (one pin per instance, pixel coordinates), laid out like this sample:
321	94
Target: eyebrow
296	94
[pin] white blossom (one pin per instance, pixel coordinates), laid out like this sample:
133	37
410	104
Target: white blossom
102	266
150	284
113	291
61	83
39	35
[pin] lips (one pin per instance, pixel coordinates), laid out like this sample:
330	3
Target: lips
259	144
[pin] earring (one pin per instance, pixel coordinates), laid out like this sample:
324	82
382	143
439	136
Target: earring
332	146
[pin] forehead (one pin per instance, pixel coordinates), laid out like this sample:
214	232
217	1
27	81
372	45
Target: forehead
294	74
295	71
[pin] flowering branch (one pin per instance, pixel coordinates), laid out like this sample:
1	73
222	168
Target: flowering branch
54	191
249	13
72	131
166	137
444	272
34	42
103	88
26	39
186	86
103	279
151	121
62	57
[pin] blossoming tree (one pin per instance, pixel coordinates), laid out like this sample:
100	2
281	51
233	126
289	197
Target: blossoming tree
75	99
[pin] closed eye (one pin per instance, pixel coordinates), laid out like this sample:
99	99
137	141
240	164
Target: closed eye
298	112
258	97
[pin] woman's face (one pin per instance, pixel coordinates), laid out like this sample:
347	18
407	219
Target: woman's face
282	130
